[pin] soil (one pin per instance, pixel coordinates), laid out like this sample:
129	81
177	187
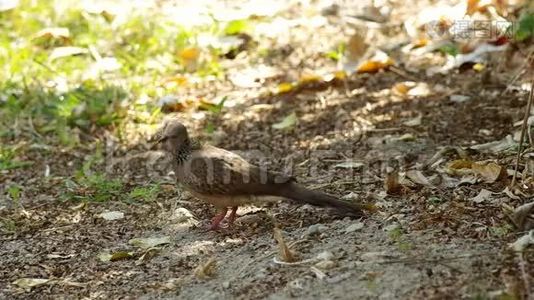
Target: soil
411	248
423	242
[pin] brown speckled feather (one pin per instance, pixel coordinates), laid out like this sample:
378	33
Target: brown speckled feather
214	171
224	179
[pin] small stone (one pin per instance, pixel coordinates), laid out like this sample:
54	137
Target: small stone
325	264
350	196
325	255
391	227
182	215
316	229
371	256
112	215
459	98
354	227
218	136
226	284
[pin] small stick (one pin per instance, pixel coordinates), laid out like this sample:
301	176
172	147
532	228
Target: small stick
519	73
404	74
524	274
523	130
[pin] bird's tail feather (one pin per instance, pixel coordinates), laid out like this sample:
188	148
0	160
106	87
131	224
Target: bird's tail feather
301	194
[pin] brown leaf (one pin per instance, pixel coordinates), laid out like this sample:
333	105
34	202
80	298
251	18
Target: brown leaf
391	183
489	172
376	63
206	270
521	216
418	177
356	47
284	252
460	164
472	7
190	54
53	33
285	87
459	167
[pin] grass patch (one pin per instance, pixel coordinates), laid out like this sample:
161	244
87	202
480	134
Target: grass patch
8	160
117	61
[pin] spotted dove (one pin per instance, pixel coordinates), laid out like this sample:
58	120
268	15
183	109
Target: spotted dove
226	180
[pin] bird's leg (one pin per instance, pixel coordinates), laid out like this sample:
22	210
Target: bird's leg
232	216
216	221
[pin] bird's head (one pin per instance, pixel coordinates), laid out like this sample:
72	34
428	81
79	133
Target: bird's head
172	136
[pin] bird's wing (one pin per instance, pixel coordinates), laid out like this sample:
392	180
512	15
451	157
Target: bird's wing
215	171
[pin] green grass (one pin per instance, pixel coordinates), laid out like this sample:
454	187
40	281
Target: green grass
402	242
98	187
71	93
8	160
525	26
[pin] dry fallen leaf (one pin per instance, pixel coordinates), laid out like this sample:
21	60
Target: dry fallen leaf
285	87
414	122
496	146
340	75
489	172
175	81
459	167
53	33
355	50
112	215
521	217
115	256
149	242
190	54
206	270
310	78
28	283
284	253
60	52
523	242
482	196
288	122
391	183
400	88
376	63
418	177
472	7
350	165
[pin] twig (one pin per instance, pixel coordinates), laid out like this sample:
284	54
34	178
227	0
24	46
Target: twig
519	73
404	74
32	128
523	129
383	129
412	260
524	274
297	263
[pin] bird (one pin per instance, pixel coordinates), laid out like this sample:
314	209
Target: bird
227	181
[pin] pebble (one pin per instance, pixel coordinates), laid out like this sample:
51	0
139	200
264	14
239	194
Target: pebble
325	255
182	215
325	264
370	256
316	229
459	98
391	227
354	227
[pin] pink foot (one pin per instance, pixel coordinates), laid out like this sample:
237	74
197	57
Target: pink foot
232	216
216	221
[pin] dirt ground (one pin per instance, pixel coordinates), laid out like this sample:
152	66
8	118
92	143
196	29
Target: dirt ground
424	241
411	248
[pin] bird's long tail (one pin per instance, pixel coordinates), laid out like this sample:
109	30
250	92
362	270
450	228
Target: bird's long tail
301	194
